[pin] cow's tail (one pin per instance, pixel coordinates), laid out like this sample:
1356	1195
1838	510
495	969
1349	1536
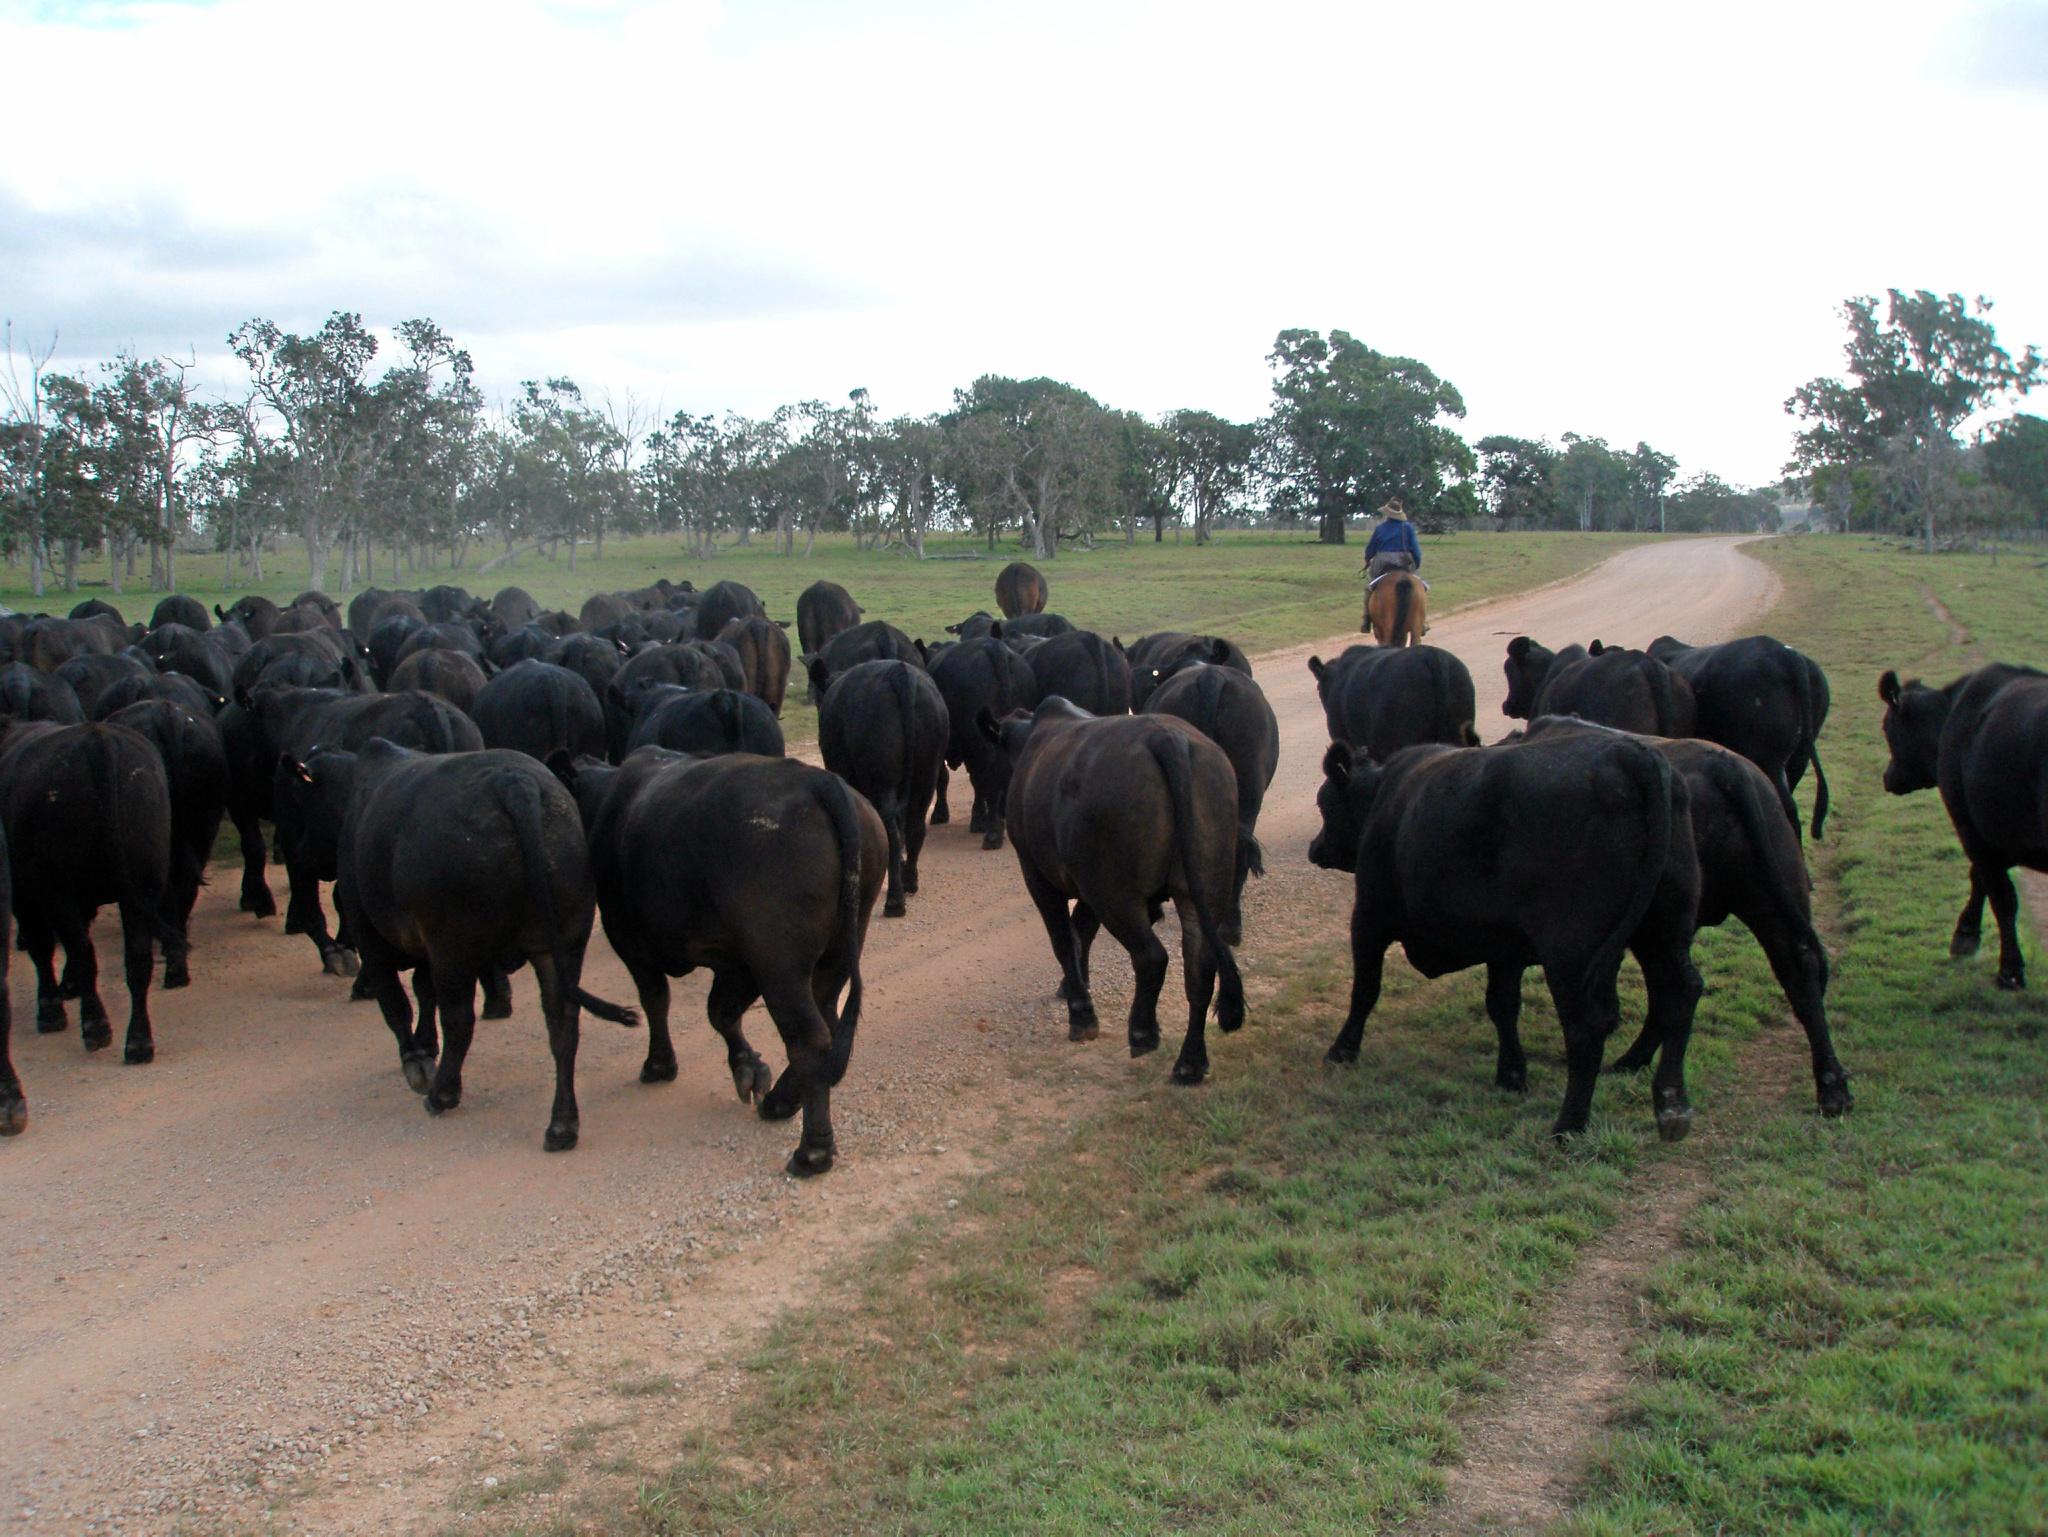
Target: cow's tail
519	798
837	802
1102	672
1809	740
1170	752
1209	686
725	706
1759	821
1652	774
103	766
1663	697
1404	596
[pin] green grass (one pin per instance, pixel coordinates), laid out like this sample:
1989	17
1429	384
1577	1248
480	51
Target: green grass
1855	1336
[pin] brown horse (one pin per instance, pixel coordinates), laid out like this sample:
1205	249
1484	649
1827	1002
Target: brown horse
1394	608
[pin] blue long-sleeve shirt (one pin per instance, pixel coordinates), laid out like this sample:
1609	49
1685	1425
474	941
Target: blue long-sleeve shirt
1395	536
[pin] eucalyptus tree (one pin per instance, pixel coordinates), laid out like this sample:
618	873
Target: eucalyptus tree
1210	466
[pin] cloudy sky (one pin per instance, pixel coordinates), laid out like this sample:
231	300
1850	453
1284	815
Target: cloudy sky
1632	221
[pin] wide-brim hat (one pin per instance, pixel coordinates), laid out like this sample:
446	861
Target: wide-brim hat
1392	508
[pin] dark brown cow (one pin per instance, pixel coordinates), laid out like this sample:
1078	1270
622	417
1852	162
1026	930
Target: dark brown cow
763	651
1020	589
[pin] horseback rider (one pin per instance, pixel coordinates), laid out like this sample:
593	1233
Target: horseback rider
1393	546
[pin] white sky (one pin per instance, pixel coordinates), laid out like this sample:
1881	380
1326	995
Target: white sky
1632	221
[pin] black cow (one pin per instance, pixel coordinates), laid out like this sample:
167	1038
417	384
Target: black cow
457	866
823	609
398	622
1020	589
687	666
93	608
90	676
974	676
1117	815
595	661
1380	699
721	603
88	818
47	643
1152	657
882	727
764	870
28	693
287	724
1566	851
1231	710
1983	740
447	604
763	652
1750	868
1039	626
440	635
875	641
179	609
717	720
540	709
200	656
13	1098
1084	669
1606	685
603	608
255	614
528	643
186	693
370	605
452	675
195	763
513	608
323	653
1764	700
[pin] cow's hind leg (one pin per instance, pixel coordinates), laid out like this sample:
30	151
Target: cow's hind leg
732	994
1969	923
808	1082
651	983
1368	961
941	812
1589	1014
1198	977
39	941
455	995
1504	1008
1086	927
497	987
256	897
186	880
893	905
1127	922
81	980
1051	903
1801	966
13	1102
2005	906
139	958
389	991
1674	987
558	1004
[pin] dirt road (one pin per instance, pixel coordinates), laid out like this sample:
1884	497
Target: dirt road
255	1275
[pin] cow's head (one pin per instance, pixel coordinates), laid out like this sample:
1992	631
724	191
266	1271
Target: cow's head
1913	717
311	796
974	626
1528	664
1350	781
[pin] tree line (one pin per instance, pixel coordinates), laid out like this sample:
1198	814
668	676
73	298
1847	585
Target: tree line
385	454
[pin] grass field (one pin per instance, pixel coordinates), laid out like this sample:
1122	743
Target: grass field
1271	1306
1261	589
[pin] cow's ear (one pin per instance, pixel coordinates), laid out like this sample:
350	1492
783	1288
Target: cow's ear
986	723
1888	687
1596	648
295	768
819	674
923	654
220	613
1118	643
1219	650
1317	666
1518	648
563	767
782	624
995	631
1337	762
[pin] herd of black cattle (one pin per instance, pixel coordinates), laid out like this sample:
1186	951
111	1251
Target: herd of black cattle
481	779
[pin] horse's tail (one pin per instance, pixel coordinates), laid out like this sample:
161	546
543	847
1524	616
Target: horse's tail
1404	598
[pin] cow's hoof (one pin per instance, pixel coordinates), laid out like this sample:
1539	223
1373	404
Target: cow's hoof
753	1080
1341	1056
96	1033
176	975
419	1073
498	1008
294	925
561	1136
1673	1122
909	881
361	991
1188	1073
778	1104
896	909
1513	1080
1145	1045
652	1071
940	816
13	1115
338	962
1965	943
1082	1025
978	822
438	1102
51	1021
807	1161
992	841
2012	982
1634	1060
135	1053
